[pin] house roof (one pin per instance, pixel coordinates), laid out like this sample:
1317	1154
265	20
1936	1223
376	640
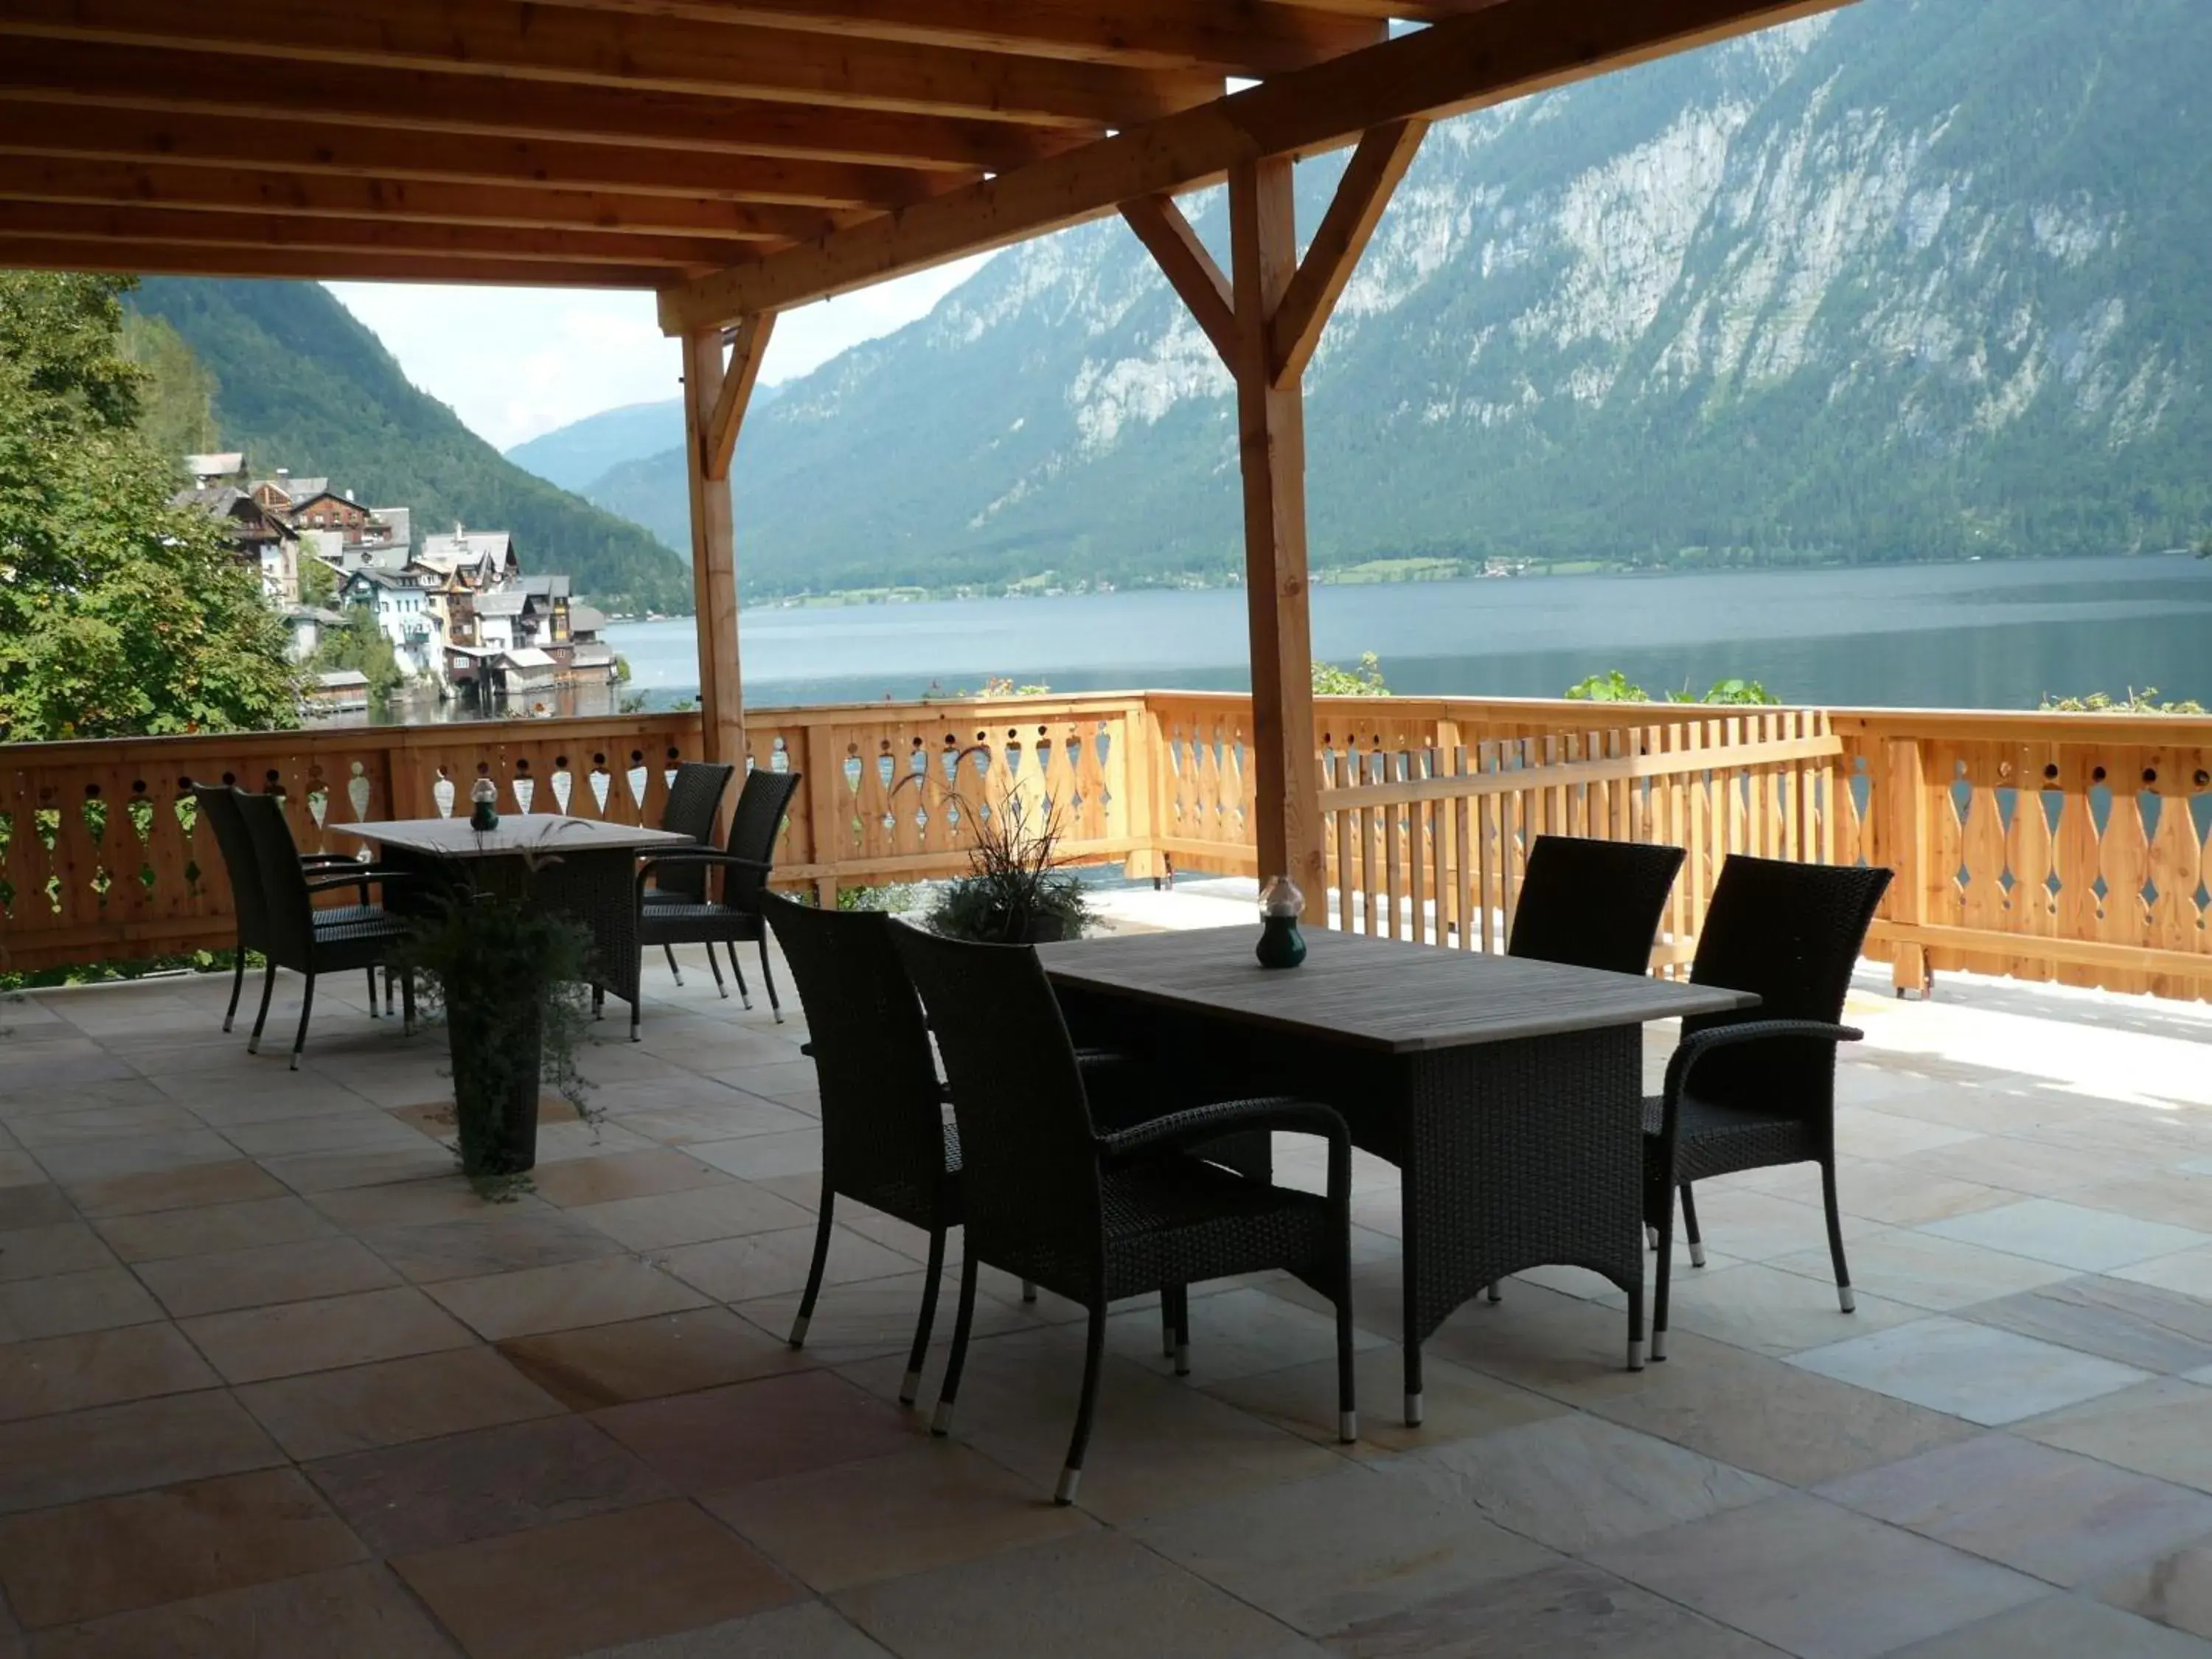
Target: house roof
399	520
468	547
586	619
506	602
221	465
294	490
527	656
545	586
342	679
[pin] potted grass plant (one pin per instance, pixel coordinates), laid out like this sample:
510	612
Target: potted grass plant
511	980
1015	891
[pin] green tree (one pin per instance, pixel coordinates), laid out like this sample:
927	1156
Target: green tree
1614	686
176	397
359	644
1364	681
119	615
319	583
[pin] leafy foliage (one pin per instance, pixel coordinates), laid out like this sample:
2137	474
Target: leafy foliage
177	395
1014	891
305	386
1614	686
119	615
2144	702
359	643
1364	681
319	583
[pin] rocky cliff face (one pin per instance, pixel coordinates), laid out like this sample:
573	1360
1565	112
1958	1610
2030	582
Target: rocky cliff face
1919	279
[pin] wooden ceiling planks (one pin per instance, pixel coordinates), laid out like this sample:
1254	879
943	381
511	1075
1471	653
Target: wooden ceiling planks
737	154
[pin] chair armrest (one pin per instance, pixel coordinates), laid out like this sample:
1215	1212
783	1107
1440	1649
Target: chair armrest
699	856
1202	1123
1696	1046
361	876
328	857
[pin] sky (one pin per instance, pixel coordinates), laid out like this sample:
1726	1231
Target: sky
514	362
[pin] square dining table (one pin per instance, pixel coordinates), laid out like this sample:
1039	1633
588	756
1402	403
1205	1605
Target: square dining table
1509	1093
584	868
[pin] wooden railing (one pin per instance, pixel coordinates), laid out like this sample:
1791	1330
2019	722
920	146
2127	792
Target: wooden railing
1429	807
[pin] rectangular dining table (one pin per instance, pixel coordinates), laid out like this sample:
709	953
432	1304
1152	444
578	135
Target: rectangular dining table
1509	1093
584	868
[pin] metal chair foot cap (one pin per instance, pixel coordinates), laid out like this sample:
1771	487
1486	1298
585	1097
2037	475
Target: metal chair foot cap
1697	1255
798	1330
1029	1290
1064	1493
910	1387
294	1065
940	1423
1635	1355
748	1002
1412	1411
725	991
778	1015
1658	1345
1495	1294
1183	1358
1849	1303
226	1025
679	976
1650	1238
1347	1427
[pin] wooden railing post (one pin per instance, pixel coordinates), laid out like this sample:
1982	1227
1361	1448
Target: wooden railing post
1134	775
825	785
1910	844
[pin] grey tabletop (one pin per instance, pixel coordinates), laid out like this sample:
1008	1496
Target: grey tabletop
1374	994
531	832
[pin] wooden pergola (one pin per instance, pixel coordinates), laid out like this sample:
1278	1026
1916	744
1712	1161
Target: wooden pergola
742	157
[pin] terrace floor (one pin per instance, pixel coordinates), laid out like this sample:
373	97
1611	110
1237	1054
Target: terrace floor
274	1382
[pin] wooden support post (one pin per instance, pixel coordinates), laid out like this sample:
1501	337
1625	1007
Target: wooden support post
714	399
1272	448
1910	839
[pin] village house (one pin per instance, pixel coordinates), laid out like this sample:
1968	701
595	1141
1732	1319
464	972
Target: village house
263	538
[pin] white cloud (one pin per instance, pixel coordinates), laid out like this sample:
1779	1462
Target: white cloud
514	362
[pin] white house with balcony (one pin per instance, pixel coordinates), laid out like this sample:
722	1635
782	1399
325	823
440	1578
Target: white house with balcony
405	604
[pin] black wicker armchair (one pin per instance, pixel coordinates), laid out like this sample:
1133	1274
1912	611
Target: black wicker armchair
695	795
1749	1092
885	1139
735	917
308	941
1593	903
1096	1217
217	804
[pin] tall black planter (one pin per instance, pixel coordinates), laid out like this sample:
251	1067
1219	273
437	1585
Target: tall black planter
494	1094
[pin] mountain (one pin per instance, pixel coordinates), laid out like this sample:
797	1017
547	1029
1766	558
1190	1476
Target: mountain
1919	279
574	455
578	455
300	383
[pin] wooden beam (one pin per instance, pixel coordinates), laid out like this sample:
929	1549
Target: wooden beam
1241	38
1190	269
747	352
713	557
21	253
1272	453
418	101
49	178
1363	192
152	228
640	50
1506	51
330	147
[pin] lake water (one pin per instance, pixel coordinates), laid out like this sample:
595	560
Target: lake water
1965	635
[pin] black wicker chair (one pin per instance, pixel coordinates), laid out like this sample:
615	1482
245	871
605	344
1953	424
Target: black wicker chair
304	939
218	803
1754	1090
1095	1217
735	917
1593	903
695	795
885	1139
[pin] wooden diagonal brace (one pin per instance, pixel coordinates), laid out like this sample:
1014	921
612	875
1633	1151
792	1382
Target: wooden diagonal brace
1190	269
718	437
1376	167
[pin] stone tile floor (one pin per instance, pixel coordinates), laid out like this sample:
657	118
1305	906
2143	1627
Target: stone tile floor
273	1383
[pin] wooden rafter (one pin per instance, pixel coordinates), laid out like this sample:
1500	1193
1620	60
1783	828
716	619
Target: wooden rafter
641	51
1505	50
1235	39
1381	160
420	100
20	251
28	128
105	183
1190	269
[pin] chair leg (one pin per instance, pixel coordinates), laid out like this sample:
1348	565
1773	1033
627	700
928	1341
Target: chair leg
713	963
768	974
948	1391
1029	1290
372	991
744	993
1690	1235
1665	1229
1636	1329
814	1273
307	1007
912	1386
267	989
1493	1291
1183	1330
237	984
1094	1354
1347	1400
669	951
1844	1299
1167	1326
406	1002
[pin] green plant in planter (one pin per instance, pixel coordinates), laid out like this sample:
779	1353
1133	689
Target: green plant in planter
1015	891
512	982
